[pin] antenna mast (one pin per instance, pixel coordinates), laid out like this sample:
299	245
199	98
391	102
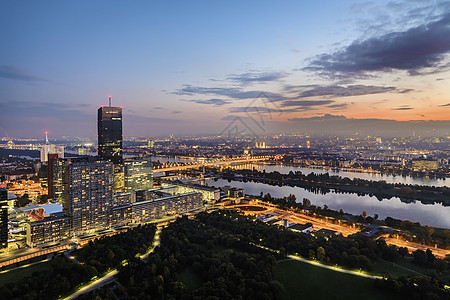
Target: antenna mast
109	101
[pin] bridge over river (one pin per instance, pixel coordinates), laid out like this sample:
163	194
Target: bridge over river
237	160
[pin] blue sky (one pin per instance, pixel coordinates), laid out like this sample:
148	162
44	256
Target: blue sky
190	67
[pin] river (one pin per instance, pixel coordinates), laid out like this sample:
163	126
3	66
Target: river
435	215
285	169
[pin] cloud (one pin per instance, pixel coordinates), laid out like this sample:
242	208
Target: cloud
216	102
197	90
233	93
403	108
414	50
445	105
158	107
340	106
17	73
261	110
325	117
257	77
338	90
177	112
307	102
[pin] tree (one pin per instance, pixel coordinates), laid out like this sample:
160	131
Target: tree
306	202
321	253
403	251
311	254
420	257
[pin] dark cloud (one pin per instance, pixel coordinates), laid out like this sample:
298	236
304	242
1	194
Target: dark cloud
325	117
340	106
233	93
406	91
403	108
216	102
158	107
307	102
197	90
338	90
177	112
445	105
413	50
257	77
17	73
263	110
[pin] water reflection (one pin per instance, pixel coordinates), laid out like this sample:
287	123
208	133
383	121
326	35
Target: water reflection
432	215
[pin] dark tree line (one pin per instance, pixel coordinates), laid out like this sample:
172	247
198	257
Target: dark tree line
64	276
109	252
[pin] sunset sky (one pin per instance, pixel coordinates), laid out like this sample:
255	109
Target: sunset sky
192	67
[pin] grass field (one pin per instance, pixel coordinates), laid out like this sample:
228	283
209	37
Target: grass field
18	274
305	281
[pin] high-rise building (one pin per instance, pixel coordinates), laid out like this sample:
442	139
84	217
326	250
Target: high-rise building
109	124
50	149
89	190
138	174
3	218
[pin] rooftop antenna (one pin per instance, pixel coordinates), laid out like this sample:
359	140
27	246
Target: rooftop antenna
109	101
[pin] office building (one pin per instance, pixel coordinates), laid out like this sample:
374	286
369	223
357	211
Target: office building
160	207
109	124
3	218
138	174
209	194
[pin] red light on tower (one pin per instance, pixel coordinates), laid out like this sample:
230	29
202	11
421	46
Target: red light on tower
46	132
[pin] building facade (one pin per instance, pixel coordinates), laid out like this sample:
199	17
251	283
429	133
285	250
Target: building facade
3	218
109	125
88	193
138	174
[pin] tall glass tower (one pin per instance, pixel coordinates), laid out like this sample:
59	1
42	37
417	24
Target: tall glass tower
109	124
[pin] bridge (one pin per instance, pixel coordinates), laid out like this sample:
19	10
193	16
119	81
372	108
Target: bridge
237	160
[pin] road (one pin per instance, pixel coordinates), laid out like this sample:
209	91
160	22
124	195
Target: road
218	162
299	218
439	252
109	277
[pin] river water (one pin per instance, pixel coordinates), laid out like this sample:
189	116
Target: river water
285	169
430	214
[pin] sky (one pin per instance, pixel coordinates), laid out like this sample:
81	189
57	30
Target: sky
211	68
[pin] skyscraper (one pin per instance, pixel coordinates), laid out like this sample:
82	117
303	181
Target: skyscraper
109	124
3	218
88	188
50	149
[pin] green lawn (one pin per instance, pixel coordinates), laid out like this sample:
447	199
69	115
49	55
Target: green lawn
305	281
18	274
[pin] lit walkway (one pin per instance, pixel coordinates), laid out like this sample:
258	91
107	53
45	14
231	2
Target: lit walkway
318	264
109	277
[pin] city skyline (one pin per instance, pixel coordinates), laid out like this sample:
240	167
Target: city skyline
192	68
